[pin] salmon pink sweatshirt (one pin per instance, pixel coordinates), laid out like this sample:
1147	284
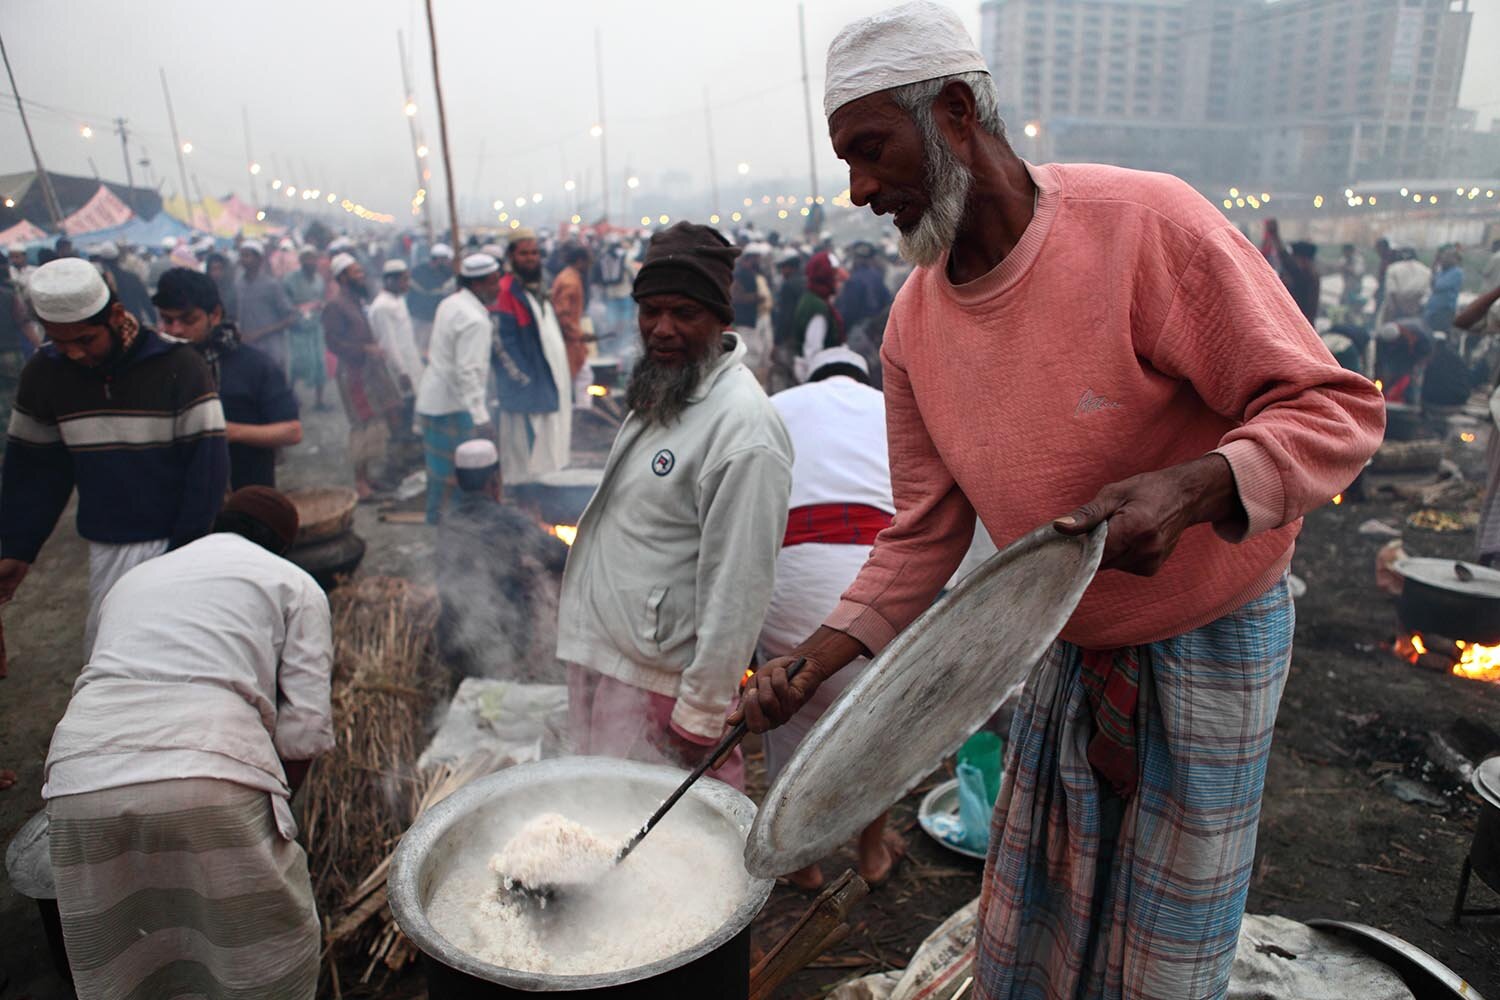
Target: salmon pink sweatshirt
1132	328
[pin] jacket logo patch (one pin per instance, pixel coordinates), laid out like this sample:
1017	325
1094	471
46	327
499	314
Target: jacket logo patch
1091	402
663	462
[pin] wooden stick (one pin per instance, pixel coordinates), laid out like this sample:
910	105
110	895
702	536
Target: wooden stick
437	86
818	929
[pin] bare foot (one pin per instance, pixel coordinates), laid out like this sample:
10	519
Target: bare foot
877	863
809	879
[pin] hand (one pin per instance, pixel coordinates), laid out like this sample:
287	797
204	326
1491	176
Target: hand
769	699
483	432
12	572
1147	514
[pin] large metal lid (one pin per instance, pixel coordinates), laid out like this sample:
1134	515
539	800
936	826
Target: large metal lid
927	692
1449	574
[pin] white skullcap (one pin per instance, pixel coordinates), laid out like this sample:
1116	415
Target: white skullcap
476	454
204	244
105	251
393	266
477	265
169	243
758	249
67	290
254	246
341	263
494	250
790	257
441	250
836	356
907	44
1388	332
340	243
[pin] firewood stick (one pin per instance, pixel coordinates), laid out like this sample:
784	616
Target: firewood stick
817	930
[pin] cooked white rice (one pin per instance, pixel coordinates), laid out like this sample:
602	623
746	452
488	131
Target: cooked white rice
678	887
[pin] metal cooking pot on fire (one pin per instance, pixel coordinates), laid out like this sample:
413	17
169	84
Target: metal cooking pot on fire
1457	600
479	818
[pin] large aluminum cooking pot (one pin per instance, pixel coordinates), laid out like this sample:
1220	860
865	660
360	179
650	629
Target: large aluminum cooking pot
480	817
1457	600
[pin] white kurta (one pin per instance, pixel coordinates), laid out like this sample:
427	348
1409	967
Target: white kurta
837	428
534	444
224	685
391	323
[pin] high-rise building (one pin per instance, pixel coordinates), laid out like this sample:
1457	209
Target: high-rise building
1293	91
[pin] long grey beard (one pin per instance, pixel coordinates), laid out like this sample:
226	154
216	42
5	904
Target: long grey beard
949	183
658	393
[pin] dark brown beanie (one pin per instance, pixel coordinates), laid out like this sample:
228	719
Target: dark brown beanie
690	260
269	507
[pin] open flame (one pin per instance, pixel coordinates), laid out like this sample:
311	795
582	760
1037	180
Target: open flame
1467	437
598	390
1476	662
1480	663
1338	499
564	532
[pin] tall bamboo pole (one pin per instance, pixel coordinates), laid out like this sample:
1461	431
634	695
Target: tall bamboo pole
187	194
603	129
416	139
812	158
48	195
437	86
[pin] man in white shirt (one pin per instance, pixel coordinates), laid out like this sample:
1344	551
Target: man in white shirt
391	322
168	778
450	403
841	499
669	577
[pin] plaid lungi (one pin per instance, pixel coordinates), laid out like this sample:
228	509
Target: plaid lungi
441	436
1089	895
182	888
368	392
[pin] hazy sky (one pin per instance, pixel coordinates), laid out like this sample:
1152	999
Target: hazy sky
321	80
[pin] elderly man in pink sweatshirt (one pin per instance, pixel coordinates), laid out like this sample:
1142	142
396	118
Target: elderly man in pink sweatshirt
1189	404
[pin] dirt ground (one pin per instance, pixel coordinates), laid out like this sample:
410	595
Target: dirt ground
1333	841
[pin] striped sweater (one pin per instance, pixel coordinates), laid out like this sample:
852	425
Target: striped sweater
142	439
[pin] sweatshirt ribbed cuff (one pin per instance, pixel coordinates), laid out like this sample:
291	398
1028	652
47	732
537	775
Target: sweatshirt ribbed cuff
1258	483
691	721
863	623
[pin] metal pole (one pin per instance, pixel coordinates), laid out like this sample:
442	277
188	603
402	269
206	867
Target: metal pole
603	131
812	159
423	174
187	195
437	86
249	156
125	149
48	195
713	170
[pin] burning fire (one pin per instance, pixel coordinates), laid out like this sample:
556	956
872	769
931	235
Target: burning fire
598	390
1480	663
1338	499
1467	437
565	532
1476	662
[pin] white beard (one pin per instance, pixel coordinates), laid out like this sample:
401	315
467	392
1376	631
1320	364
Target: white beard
949	183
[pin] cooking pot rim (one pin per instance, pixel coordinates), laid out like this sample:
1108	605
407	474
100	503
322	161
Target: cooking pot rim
424	834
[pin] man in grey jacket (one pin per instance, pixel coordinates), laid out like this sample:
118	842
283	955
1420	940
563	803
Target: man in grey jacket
671	573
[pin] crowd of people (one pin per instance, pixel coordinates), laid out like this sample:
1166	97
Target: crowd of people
800	471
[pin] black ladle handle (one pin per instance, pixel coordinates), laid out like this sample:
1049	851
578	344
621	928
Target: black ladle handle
727	744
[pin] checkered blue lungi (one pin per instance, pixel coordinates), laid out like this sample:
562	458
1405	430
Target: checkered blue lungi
1087	895
441	436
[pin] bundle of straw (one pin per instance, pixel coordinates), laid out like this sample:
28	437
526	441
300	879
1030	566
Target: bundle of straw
360	797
